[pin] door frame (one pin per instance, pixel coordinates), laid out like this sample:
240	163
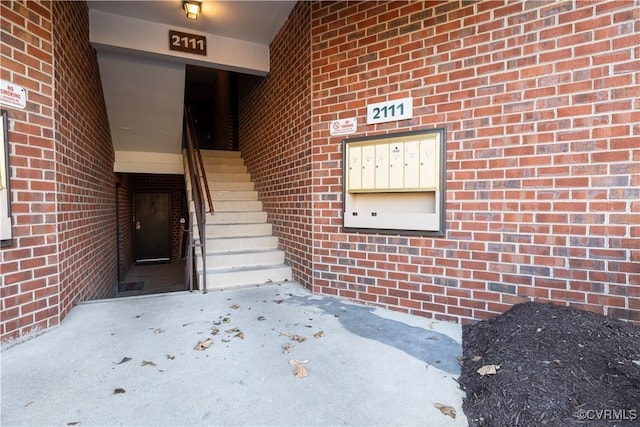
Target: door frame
135	236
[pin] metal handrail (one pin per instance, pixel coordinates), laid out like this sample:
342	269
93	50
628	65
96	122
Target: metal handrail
186	254
197	176
191	136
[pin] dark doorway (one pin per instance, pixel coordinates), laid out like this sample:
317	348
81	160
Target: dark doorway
151	227
211	95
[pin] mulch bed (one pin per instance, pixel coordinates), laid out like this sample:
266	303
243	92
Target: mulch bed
559	366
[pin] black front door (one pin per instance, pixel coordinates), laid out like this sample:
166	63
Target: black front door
151	227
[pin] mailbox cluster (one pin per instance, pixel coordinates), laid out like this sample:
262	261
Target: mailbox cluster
395	182
396	166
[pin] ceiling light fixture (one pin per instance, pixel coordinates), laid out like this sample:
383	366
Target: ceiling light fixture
192	8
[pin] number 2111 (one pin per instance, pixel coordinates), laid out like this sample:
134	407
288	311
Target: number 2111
388	111
188	42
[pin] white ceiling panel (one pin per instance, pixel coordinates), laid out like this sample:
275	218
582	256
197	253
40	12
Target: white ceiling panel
145	101
254	21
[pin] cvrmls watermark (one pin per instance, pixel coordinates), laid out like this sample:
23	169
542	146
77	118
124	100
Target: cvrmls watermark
607	414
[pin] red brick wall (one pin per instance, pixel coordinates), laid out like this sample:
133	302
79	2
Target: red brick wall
84	155
541	102
62	181
275	141
29	279
126	257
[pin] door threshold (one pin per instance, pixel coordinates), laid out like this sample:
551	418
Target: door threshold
152	261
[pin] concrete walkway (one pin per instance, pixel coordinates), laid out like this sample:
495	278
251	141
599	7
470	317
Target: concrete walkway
132	362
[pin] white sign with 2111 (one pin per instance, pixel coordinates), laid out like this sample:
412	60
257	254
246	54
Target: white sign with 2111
390	111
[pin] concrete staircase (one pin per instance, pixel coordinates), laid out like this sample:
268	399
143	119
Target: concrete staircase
240	247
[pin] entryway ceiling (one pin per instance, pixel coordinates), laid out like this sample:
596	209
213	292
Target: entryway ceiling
254	21
144	90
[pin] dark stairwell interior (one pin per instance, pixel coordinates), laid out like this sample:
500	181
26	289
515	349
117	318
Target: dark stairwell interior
212	97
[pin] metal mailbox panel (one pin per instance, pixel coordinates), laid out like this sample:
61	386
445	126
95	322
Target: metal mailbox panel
355	168
429	164
396	165
411	165
382	166
396	183
368	167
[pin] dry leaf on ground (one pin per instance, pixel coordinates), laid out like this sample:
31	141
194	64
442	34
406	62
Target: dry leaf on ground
488	370
124	360
278	301
298	338
296	362
203	345
157	331
447	410
300	371
239	335
147	363
318	334
285	334
286	348
261	318
232	330
476	358
170	356
214	330
119	391
235	306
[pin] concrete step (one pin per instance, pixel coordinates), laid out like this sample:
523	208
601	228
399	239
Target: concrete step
237	206
241	250
210	168
192	209
227	161
238	230
233	278
237	217
235	244
217	195
230	185
221	154
242	259
228	177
